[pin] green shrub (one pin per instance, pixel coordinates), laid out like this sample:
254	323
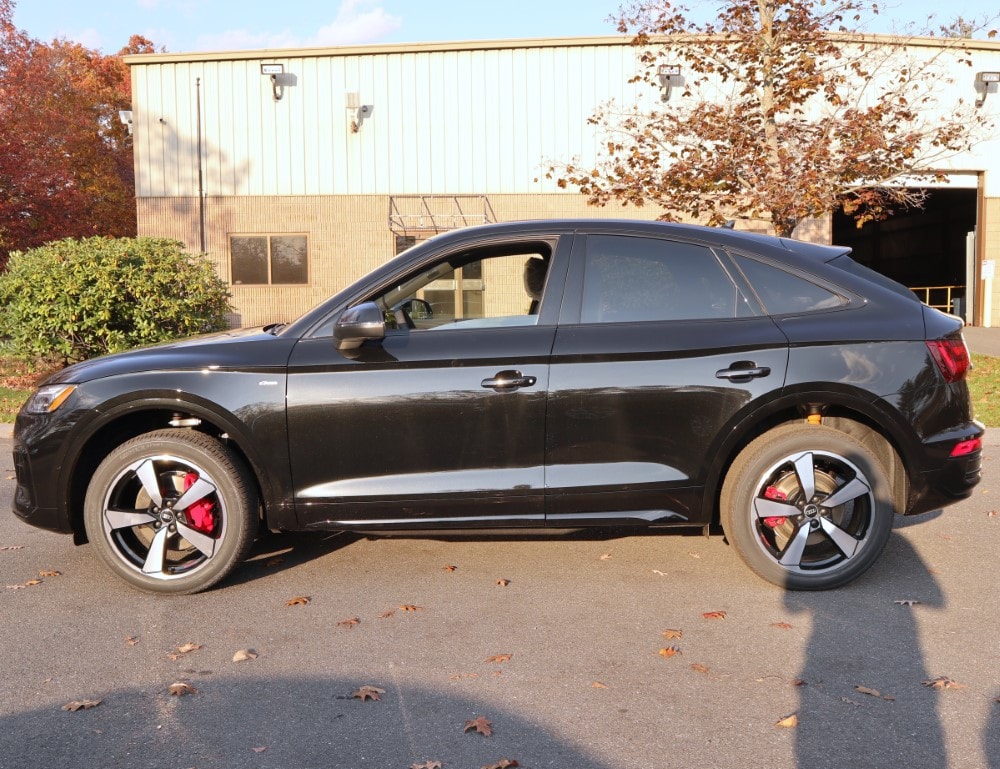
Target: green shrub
76	299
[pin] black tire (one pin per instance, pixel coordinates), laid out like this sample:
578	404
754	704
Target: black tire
775	512
140	532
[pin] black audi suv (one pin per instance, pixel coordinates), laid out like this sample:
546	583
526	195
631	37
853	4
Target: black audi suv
532	377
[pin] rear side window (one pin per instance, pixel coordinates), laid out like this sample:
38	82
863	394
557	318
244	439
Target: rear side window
782	293
631	279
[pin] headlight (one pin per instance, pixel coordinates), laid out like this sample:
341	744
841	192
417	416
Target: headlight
48	398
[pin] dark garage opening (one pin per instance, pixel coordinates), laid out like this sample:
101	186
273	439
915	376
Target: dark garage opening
921	248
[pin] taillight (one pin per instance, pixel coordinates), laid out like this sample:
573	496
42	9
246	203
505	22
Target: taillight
964	448
951	356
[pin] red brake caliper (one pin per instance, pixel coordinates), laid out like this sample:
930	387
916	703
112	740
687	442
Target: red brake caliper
780	496
199	514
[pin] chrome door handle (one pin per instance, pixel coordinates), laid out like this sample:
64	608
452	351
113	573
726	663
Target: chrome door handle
742	372
508	380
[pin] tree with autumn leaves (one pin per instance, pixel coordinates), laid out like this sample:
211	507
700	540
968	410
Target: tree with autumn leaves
780	113
65	157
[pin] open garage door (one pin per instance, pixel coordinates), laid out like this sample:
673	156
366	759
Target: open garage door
931	250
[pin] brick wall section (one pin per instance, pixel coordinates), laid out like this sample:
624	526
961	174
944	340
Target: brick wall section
348	237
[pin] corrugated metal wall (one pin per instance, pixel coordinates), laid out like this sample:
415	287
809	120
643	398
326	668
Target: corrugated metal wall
453	122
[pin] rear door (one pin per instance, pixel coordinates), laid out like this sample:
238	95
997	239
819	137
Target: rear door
656	350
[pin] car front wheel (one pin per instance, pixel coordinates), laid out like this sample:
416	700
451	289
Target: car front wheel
171	511
807	507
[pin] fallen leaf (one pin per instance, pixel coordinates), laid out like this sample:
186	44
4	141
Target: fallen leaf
131	640
699	668
606	557
448	567
368	693
799	682
991	514
714	615
502	582
387	614
598	685
480	724
874	693
460	676
671	634
788	722
261	749
427	765
181	689
410	607
661	573
245	654
781	625
50	573
849	701
497	659
301	600
669	652
943	682
907	602
183	649
76	705
503	763
349	623
12	547
695	555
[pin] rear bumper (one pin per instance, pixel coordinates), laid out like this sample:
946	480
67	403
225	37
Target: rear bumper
951	479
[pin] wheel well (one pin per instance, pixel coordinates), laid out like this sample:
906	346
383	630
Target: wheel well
864	429
113	434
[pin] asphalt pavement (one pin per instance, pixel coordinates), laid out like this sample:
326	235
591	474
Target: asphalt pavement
556	643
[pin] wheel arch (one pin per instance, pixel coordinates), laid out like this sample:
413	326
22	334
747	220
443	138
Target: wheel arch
882	432
130	418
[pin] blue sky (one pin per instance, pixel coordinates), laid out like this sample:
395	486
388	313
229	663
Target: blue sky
218	25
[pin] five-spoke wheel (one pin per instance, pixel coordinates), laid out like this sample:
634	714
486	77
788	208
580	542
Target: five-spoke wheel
807	507
171	511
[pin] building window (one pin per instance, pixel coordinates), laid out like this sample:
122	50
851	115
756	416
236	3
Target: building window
269	259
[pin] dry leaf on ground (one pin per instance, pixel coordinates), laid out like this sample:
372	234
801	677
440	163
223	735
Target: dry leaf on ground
183	649
606	557
497	659
788	722
368	693
448	567
50	573
874	693
503	763
12	547
781	625
427	765
300	600
671	634
907	602
503	582
387	614
245	654
76	705
131	640
598	685
714	615
349	623
943	682
410	607
181	689
697	667
260	749
480	724
669	651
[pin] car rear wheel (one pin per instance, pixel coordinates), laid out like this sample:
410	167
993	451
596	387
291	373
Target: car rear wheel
807	507
171	511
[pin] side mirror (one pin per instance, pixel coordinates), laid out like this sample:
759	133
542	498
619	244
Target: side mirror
358	324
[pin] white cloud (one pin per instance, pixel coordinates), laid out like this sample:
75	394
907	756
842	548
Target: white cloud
356	22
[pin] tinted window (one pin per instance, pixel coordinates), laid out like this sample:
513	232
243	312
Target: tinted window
781	292
630	279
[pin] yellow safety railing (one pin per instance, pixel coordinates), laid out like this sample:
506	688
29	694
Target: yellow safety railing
941	295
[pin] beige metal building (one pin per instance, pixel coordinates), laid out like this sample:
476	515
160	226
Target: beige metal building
299	170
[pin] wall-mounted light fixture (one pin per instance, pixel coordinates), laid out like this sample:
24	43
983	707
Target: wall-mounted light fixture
986	83
356	111
274	72
125	115
669	76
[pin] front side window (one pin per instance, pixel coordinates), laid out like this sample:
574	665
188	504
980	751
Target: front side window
474	289
269	259
632	279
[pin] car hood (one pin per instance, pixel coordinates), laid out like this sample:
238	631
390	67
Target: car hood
227	350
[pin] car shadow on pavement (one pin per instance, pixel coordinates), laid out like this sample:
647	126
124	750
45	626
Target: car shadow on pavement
264	722
863	701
